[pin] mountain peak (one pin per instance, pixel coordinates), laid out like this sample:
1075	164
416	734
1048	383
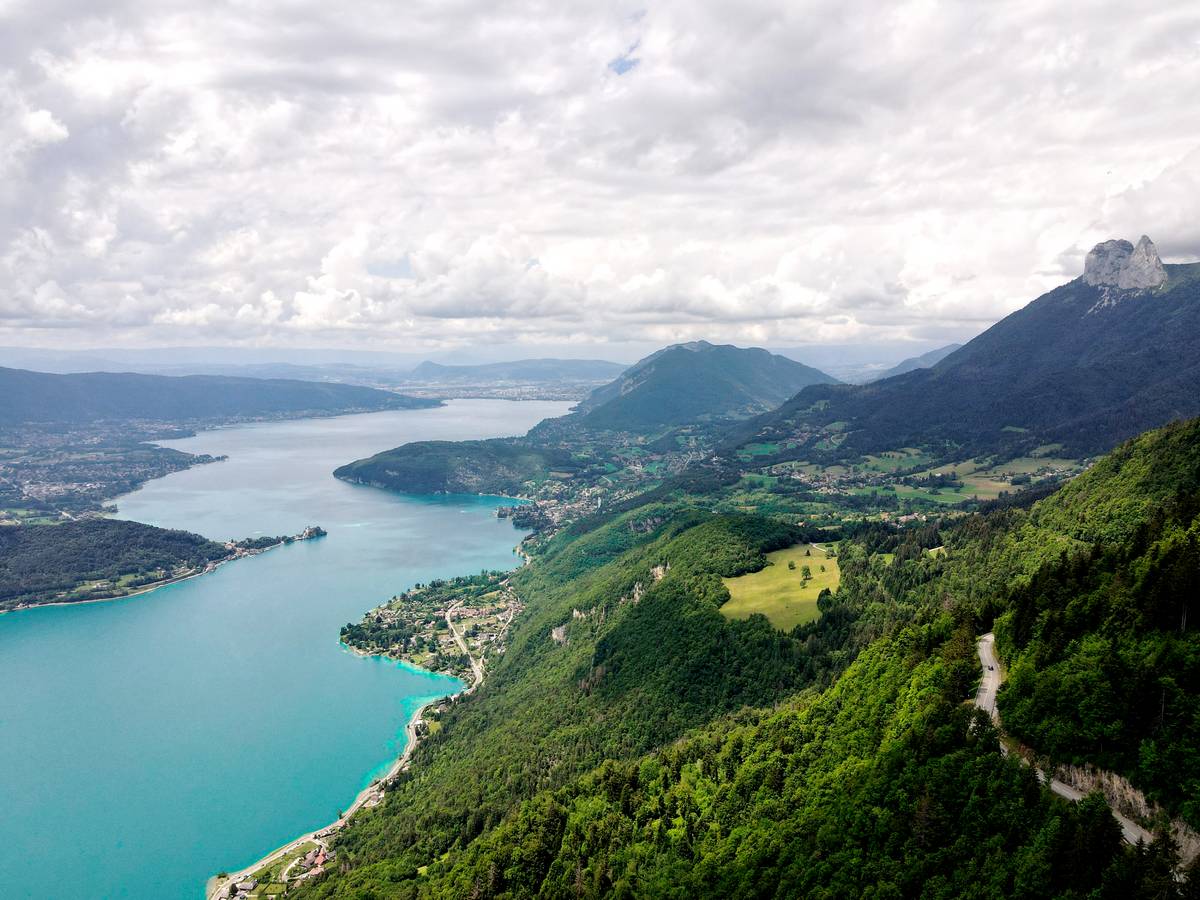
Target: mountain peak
1121	265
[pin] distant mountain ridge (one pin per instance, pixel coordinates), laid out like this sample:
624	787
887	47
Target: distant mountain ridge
524	370
1084	366
924	361
38	397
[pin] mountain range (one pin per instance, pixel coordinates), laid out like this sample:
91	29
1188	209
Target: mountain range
1083	367
633	741
629	735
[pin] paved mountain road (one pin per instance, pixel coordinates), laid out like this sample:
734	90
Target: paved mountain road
985	699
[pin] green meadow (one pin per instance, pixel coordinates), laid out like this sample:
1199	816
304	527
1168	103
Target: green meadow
780	593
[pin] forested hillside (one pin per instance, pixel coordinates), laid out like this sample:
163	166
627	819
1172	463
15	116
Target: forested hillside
496	466
691	382
87	558
1103	642
567	775
637	663
37	397
883	787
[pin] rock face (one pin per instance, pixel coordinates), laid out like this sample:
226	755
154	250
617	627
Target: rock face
1121	265
1145	269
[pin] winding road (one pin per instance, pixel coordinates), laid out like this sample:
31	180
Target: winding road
985	699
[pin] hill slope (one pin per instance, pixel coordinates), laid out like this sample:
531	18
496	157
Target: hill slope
497	466
694	382
1087	365
27	397
1102	642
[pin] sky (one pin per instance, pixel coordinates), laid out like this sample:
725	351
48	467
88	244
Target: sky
449	174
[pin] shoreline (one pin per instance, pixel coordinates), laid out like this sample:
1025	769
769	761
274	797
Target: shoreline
376	789
400	663
149	588
144	589
373	791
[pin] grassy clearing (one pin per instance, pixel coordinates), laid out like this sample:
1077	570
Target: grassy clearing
779	592
1032	465
761	449
894	460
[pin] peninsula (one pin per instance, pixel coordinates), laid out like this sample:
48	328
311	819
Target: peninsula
105	559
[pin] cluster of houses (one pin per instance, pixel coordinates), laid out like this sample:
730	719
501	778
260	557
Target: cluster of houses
242	888
311	864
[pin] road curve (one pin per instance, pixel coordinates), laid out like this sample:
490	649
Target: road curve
985	699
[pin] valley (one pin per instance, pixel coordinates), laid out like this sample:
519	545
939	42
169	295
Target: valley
722	598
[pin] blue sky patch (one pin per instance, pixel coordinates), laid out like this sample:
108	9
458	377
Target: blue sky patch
626	60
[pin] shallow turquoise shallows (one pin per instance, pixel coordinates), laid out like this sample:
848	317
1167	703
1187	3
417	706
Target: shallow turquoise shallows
150	742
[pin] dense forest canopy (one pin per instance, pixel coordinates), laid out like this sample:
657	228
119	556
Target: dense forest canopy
40	562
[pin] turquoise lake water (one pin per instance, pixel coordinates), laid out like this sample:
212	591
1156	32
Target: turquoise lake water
150	742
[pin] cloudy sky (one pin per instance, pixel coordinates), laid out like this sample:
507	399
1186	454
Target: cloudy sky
440	174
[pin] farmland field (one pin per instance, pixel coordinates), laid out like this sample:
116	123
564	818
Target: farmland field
781	593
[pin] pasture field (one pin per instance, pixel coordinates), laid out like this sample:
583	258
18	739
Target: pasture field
781	593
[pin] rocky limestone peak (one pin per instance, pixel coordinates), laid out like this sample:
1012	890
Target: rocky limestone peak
1145	268
1121	265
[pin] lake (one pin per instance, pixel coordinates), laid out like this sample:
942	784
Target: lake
150	742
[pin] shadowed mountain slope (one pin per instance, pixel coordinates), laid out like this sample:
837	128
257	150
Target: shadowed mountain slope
1086	365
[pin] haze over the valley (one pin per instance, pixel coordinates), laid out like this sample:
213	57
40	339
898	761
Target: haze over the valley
473	182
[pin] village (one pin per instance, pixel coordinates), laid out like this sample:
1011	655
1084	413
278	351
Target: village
449	627
51	474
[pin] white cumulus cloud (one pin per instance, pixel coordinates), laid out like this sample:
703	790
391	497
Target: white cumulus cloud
433	174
